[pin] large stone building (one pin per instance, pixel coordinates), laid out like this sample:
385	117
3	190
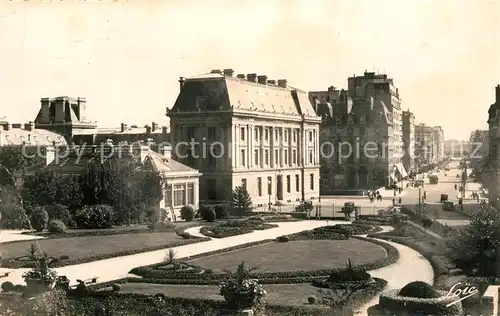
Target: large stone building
425	145
67	116
366	118
494	145
439	140
252	132
409	140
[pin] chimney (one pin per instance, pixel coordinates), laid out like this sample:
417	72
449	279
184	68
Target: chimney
123	127
148	129
50	155
282	83
241	76
251	77
44	110
154	126
164	130
228	72
271	81
262	79
82	108
16	125
29	126
182	81
216	71
497	94
166	151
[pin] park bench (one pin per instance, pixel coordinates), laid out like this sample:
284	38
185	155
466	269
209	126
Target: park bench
88	281
5	274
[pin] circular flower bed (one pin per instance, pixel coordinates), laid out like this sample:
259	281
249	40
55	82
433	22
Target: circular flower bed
396	304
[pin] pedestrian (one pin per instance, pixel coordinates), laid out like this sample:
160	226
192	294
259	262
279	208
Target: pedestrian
425	195
477	196
393	201
400	201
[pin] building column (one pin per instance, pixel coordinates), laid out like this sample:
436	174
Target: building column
196	192
282	148
236	146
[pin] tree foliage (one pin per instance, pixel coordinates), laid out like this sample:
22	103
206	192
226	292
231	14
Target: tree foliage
241	201
17	158
474	247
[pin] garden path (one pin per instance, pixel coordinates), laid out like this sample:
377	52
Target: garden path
411	266
12	235
116	268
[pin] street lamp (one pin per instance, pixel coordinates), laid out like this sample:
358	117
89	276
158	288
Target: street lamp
269	192
319	196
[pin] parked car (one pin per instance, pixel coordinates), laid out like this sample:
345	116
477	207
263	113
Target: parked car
448	206
305	206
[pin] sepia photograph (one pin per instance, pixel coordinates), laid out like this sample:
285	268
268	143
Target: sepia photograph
249	158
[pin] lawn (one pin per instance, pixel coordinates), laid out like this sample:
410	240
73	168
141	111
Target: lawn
282	294
296	255
82	248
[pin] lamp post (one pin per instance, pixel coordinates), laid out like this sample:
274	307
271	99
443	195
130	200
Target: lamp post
269	192
319	196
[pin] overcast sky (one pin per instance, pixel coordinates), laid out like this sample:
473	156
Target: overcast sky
126	57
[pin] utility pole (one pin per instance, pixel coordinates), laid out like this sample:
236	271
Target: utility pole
419	200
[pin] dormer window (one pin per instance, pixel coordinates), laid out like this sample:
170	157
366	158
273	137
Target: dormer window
338	120
362	119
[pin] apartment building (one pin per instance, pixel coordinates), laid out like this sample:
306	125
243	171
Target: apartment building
493	183
247	130
439	140
409	140
368	117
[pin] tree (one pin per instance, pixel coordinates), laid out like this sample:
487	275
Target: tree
17	158
241	201
474	248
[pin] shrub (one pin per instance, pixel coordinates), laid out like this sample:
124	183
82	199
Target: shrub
241	201
187	213
311	299
283	239
95	217
60	212
220	211
13	217
39	218
426	222
56	227
392	301
209	215
162	226
185	235
116	287
349	274
419	289
8	286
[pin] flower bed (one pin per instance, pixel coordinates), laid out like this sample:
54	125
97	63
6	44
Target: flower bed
187	277
393	302
234	228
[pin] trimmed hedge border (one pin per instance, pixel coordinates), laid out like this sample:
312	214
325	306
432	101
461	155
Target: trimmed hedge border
392	301
105	232
149	272
58	264
206	230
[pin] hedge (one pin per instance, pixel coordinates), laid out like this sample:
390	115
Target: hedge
58	263
229	231
150	272
103	232
392	301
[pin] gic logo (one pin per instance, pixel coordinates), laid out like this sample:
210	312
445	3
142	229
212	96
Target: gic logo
463	291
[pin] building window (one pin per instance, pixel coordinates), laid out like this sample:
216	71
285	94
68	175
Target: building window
266	157
211	133
276	135
212	189
243	160
294	157
179	194
190	133
312	181
338	120
310	157
310	136
242	132
285	136
362	131
244	183
256	133
276	157
297	183
190	193
257	162
362	119
259	185
288	184
266	134
269	185
350	120
286	157
294	136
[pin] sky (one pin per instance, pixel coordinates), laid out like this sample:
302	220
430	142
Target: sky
126	57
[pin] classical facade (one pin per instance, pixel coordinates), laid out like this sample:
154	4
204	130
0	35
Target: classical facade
363	126
249	131
409	140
